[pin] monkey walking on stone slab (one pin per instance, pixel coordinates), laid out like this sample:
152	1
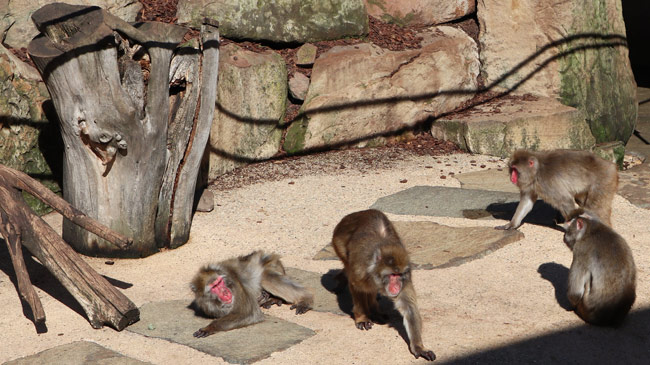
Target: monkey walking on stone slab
602	277
233	290
376	261
563	178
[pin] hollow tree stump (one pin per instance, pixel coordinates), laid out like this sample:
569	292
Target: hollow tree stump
20	226
135	109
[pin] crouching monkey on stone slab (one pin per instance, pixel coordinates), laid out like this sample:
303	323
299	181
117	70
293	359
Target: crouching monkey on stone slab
375	261
563	178
233	290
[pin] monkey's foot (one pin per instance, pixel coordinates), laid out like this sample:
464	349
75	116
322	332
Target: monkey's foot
364	325
301	308
270	302
505	227
426	354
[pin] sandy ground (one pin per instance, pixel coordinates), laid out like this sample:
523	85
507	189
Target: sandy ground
494	301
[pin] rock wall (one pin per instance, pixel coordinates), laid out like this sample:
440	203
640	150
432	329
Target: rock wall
26	136
361	92
280	21
355	95
573	50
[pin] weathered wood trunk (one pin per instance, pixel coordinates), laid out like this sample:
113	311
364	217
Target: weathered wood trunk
129	141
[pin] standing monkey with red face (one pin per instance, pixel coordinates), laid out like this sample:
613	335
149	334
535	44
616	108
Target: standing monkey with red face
563	178
602	278
376	261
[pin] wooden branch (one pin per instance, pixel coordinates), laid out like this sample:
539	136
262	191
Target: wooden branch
22	181
11	233
101	301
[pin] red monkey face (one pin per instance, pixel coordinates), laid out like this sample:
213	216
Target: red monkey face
514	175
220	289
394	284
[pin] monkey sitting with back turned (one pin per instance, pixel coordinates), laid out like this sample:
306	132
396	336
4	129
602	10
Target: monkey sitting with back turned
233	290
602	277
563	178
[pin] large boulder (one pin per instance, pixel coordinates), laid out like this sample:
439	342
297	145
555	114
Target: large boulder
252	97
572	50
279	21
501	126
420	12
17	28
28	142
362	91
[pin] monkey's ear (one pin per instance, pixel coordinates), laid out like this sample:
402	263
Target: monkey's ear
193	287
532	162
580	223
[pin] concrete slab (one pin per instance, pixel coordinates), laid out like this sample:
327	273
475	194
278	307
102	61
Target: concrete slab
176	322
327	297
435	246
498	127
440	201
77	353
493	180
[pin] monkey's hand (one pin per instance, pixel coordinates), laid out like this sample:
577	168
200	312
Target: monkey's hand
506	227
202	333
427	354
301	308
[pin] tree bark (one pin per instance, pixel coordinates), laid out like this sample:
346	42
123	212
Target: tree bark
129	140
19	225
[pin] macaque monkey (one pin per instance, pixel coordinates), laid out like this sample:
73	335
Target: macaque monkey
602	278
233	290
376	261
563	178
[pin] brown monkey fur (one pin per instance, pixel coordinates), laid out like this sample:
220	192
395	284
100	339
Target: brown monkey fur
233	290
602	278
376	261
563	178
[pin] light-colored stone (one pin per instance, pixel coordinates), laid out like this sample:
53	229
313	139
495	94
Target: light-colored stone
206	201
306	55
298	86
251	101
573	50
17	26
499	127
362	91
419	12
279	21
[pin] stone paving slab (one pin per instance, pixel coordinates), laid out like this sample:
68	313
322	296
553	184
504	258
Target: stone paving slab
176	322
77	353
434	246
493	180
443	201
440	201
324	286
